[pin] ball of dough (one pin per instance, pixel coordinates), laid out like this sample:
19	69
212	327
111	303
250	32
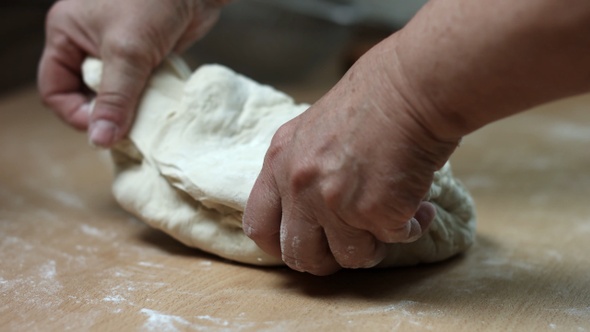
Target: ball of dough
197	146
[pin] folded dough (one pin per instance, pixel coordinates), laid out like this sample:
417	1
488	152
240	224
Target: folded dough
197	146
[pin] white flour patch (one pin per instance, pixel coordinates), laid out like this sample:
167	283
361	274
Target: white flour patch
581	312
98	233
48	270
216	321
47	283
68	200
86	249
39	289
6	285
149	264
161	322
583	226
92	231
64	198
16	241
209	323
114	299
47	215
578	312
402	314
403	307
57	171
554	255
570	131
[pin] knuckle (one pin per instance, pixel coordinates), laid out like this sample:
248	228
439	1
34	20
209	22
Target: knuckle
385	204
301	176
333	193
283	134
369	208
55	13
126	48
278	143
383	219
300	172
113	106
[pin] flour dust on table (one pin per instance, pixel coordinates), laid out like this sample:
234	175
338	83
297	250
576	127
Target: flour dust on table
197	145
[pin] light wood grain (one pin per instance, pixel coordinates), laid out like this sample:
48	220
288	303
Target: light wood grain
70	258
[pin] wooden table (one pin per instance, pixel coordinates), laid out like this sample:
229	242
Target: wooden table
71	259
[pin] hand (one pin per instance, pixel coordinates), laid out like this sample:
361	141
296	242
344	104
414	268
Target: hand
132	37
346	177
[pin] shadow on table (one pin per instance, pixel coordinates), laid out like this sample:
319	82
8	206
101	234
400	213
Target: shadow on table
487	274
168	244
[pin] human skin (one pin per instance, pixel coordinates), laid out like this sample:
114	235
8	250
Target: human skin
132	37
350	173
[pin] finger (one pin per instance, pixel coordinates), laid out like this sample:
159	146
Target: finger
197	29
413	229
123	80
304	246
262	215
354	248
60	84
421	221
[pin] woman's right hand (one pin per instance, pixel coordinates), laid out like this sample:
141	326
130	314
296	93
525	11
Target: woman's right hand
131	37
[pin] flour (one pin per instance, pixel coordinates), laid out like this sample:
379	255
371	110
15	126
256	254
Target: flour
580	312
197	146
158	321
92	231
570	132
149	264
48	271
68	199
115	299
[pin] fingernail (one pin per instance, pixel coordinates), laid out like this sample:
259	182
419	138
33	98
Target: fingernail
102	133
415	231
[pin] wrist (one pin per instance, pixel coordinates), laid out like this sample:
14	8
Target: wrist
425	102
413	120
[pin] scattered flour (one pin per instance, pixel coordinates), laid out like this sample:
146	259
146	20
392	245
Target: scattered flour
92	231
149	264
68	199
570	131
114	299
161	322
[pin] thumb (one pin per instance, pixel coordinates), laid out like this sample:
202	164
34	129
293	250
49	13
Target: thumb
122	83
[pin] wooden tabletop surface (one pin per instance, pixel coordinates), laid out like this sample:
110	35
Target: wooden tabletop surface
71	259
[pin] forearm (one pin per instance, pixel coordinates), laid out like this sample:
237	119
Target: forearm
462	64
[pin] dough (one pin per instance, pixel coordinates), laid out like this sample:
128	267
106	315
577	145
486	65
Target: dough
197	146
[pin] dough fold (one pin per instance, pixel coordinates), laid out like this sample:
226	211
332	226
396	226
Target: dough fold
197	146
